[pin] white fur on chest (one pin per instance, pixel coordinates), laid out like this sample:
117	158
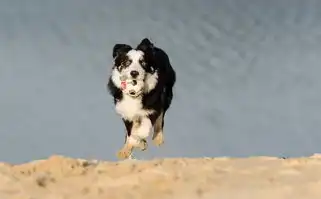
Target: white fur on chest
130	108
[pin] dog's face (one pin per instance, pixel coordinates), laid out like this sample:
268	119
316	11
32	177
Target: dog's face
131	67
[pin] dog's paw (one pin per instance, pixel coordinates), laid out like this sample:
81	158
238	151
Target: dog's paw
143	145
158	139
125	152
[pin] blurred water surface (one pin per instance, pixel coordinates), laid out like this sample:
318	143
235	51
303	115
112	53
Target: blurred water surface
248	76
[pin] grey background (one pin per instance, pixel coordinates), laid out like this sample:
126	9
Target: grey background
248	76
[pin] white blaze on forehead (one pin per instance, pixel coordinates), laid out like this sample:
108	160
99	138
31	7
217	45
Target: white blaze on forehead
135	55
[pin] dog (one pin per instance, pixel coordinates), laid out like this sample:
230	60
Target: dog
141	83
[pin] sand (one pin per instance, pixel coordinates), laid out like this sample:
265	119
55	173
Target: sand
60	177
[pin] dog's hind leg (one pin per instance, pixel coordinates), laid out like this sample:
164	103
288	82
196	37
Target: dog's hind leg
158	135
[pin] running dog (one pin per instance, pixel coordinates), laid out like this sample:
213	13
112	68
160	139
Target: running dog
141	84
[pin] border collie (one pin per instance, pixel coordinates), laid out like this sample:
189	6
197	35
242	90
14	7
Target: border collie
141	83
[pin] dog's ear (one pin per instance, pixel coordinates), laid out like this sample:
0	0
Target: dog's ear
148	48
120	48
145	45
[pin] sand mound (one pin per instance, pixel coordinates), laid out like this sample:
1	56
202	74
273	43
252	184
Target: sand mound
60	177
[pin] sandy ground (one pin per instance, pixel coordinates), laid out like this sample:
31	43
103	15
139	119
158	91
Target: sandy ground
60	177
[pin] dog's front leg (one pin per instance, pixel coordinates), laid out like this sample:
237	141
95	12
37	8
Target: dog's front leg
128	147
141	129
137	133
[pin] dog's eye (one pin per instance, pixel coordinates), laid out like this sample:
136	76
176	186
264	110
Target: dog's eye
127	63
143	63
120	67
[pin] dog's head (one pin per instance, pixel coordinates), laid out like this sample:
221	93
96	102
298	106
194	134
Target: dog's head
132	65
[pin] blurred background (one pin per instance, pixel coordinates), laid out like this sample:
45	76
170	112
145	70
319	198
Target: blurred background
248	76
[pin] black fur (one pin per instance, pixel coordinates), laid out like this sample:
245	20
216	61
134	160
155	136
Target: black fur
160	98
119	51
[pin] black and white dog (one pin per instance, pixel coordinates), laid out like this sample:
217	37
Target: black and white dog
141	83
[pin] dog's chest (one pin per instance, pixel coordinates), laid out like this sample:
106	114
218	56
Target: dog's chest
130	108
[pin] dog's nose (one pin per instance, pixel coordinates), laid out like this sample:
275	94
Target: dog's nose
134	73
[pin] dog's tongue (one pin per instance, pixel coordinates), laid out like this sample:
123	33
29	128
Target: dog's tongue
123	85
